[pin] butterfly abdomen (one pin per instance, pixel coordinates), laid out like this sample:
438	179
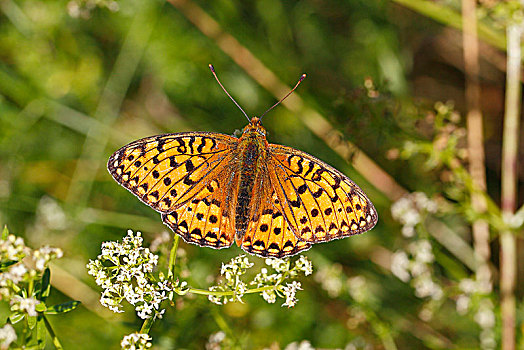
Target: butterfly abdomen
251	152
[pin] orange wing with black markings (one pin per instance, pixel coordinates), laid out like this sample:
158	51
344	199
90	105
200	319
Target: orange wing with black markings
176	174
319	202
167	170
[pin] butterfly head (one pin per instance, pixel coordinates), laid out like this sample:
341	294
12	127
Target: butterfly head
254	128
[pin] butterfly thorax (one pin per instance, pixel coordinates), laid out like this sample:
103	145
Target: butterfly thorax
252	155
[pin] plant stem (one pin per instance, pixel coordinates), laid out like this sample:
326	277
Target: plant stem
508	253
56	342
217	293
172	259
146	326
480	227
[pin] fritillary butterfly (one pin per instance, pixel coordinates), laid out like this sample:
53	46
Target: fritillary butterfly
211	189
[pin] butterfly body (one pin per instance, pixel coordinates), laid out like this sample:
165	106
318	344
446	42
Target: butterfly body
251	152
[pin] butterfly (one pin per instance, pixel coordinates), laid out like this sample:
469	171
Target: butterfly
213	189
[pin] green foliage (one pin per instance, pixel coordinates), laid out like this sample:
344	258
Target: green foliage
24	285
81	78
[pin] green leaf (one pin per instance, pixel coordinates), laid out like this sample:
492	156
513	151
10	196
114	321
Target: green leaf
41	307
62	308
45	289
5	233
4	265
41	332
16	317
31	321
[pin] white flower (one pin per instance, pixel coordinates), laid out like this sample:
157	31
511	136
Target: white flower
404	211
7	336
159	240
214	341
127	278
463	303
303	345
357	288
236	267
289	290
485	316
468	286
400	265
135	341
425	287
51	214
14	274
422	251
279	265
27	305
44	255
13	249
423	202
407	231
330	278
304	265
269	296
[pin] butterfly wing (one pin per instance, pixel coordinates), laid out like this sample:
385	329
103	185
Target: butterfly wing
186	177
206	219
167	170
318	201
268	233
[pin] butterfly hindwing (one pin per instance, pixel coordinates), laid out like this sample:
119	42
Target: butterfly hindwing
166	170
320	203
269	234
205	219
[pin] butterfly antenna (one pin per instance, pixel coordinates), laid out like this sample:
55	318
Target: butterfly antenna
227	93
302	77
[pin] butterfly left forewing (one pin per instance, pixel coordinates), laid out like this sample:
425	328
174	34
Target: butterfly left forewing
166	170
320	203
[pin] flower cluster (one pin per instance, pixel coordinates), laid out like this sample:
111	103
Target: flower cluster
20	264
410	210
232	282
44	255
485	318
13	249
330	277
215	341
136	341
472	298
124	271
415	265
269	284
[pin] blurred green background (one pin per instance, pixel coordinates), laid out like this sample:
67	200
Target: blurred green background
79	79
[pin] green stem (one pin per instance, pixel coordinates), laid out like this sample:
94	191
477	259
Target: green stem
146	326
172	259
222	324
56	342
217	293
